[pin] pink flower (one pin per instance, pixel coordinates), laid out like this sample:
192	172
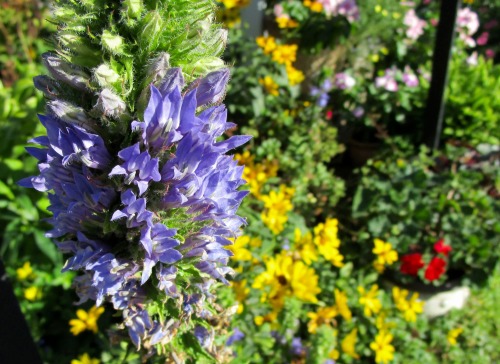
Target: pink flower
415	24
409	78
472	59
278	10
343	81
483	38
489	53
468	24
387	81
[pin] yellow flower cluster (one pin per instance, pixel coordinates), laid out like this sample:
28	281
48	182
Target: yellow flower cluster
256	174
325	315
348	345
369	300
241	291
86	320
327	241
32	293
385	255
25	272
276	207
284	21
453	334
285	277
239	248
304	247
230	4
230	13
384	351
315	6
269	85
410	307
85	359
282	54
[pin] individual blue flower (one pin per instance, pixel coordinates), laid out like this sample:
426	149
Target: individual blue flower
138	168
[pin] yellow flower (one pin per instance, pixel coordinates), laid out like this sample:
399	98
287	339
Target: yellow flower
453	335
241	291
277	205
270	317
313	5
285	277
323	316
384	51
396	15
341	303
375	58
269	85
32	293
268	44
24	272
86	320
384	252
256	174
411	307
241	253
229	4
384	351
369	300
85	359
348	345
326	239
378	8
230	17
285	21
294	75
285	54
334	354
305	247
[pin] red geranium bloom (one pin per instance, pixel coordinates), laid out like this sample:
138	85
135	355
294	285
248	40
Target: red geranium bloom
441	248
411	263
435	269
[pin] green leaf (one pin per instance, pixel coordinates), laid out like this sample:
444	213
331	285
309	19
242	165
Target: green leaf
47	247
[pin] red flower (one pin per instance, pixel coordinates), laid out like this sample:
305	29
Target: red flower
411	263
441	248
435	269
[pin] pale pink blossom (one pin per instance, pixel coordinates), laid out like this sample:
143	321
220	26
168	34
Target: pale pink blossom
409	78
472	59
387	81
468	24
415	25
343	81
278	10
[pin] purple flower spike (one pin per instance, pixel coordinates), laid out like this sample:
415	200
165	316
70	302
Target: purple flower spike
158	244
138	168
135	211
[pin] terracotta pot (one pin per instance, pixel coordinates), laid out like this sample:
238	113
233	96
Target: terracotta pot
360	152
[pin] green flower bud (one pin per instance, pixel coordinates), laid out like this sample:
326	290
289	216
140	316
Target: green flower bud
133	8
158	68
112	42
106	76
80	53
70	113
151	30
109	104
203	66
